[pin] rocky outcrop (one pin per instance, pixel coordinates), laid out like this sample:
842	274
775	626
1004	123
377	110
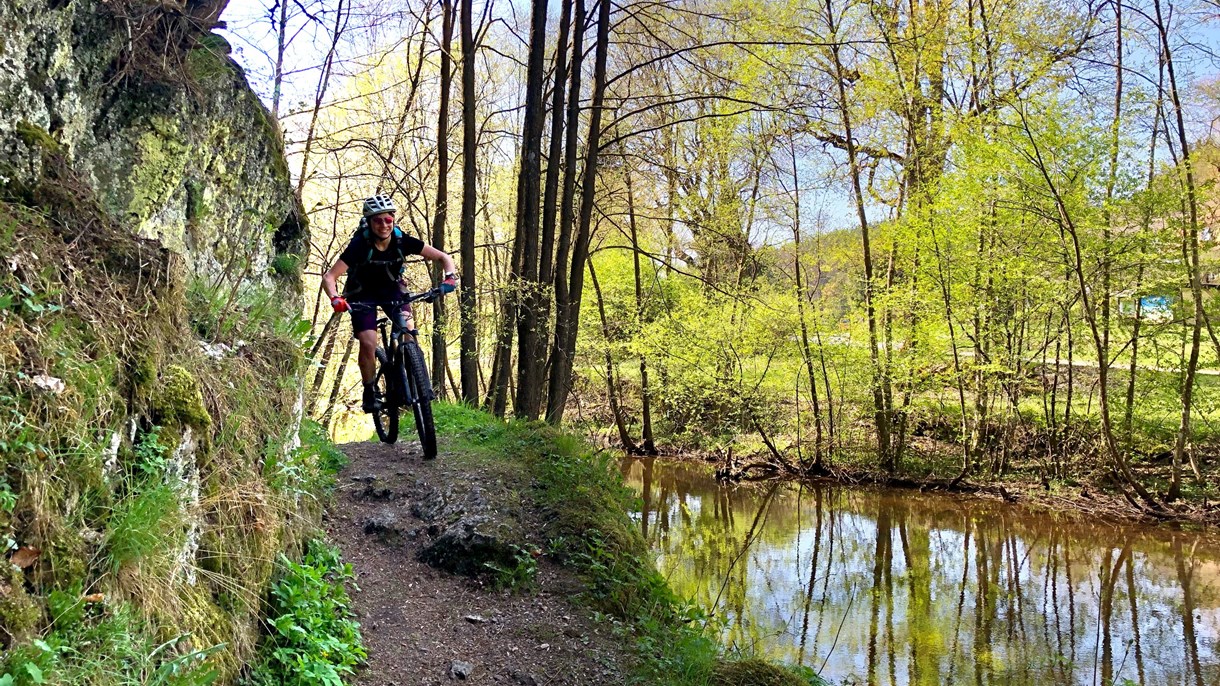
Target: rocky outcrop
157	118
148	362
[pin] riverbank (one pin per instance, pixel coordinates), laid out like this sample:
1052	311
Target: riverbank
512	559
933	466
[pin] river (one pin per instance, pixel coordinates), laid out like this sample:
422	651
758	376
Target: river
882	586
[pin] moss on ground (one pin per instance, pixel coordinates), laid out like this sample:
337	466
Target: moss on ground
754	672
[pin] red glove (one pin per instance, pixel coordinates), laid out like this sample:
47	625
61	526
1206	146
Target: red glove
449	284
339	304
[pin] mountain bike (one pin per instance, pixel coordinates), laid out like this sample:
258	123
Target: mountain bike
402	378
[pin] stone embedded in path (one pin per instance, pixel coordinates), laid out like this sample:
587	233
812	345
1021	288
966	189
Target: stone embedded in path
384	525
525	678
460	670
372	492
468	530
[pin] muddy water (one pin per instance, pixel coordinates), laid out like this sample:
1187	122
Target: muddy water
872	586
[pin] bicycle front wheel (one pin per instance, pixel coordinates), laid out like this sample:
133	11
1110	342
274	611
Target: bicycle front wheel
385	419
421	384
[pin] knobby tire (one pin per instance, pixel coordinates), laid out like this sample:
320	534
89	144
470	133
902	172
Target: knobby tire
421	385
385	420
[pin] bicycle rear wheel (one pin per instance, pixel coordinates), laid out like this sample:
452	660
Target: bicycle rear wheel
421	384
385	420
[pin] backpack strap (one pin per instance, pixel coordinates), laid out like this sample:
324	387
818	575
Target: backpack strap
397	241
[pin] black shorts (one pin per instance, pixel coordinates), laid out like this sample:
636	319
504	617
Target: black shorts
364	317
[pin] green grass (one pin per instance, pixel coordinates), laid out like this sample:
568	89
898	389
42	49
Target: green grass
585	504
99	643
146	522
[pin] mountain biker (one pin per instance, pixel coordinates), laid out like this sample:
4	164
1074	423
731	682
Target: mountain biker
373	262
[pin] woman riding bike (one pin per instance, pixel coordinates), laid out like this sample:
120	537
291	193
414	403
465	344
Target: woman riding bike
373	262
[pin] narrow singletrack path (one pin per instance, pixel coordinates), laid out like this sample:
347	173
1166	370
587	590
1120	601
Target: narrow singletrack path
427	626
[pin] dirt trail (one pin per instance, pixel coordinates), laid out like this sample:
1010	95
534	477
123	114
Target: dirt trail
422	625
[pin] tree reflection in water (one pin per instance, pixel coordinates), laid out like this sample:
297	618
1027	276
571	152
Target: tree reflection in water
893	587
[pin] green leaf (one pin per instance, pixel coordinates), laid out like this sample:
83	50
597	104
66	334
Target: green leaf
35	673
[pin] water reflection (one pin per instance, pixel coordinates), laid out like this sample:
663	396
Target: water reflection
893	587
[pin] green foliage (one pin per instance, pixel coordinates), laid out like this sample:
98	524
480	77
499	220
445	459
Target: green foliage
314	638
143	523
151	456
286	265
314	439
310	469
519	575
243	313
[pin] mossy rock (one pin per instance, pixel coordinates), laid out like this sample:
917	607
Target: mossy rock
754	672
143	372
20	613
38	138
209	625
179	400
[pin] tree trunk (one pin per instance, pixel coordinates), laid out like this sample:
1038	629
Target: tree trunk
620	423
470	350
529	370
649	447
501	365
328	349
800	310
440	361
1067	227
281	43
567	304
555	160
1190	249
337	386
881	414
1133	367
341	17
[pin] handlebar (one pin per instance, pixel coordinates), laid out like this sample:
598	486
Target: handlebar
425	296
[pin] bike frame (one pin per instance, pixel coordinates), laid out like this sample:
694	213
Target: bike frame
392	341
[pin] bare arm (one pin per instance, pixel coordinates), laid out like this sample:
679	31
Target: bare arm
328	279
430	253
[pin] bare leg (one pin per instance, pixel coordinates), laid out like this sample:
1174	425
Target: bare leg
368	354
408	321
